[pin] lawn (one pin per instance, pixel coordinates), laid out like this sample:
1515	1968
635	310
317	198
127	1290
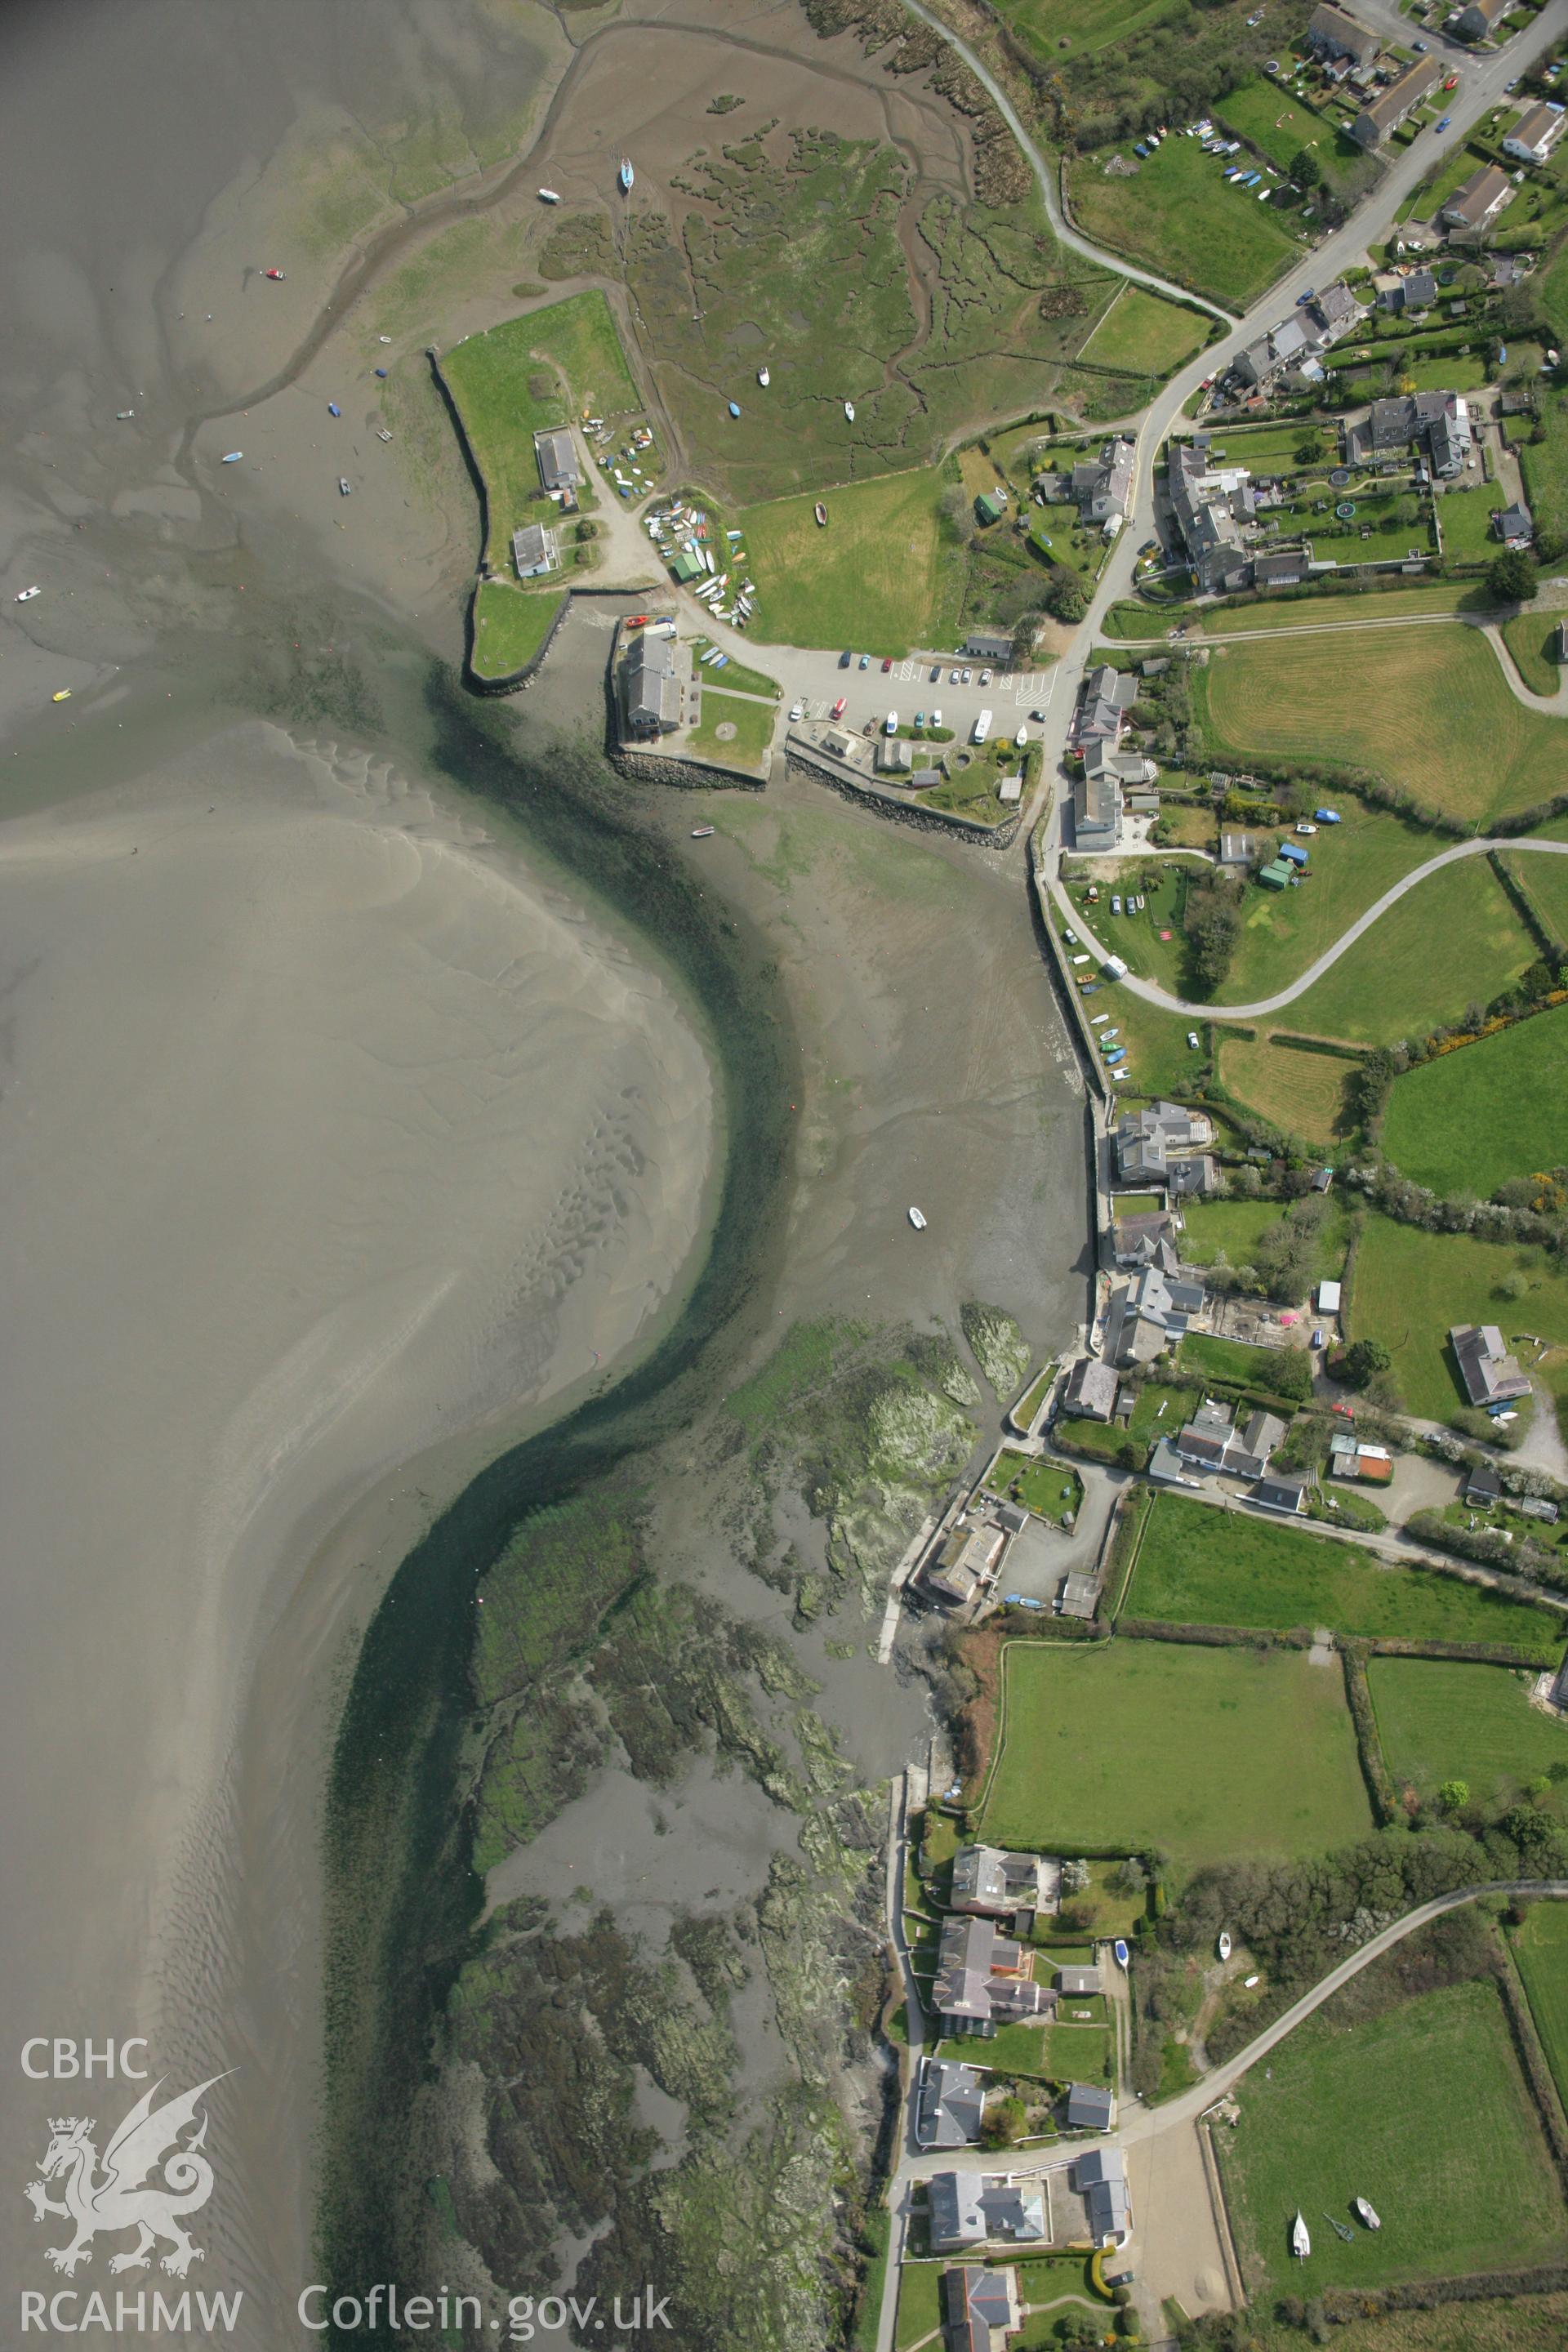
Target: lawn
734	678
1142	334
1318	612
751	721
1439	1722
919	2303
885	576
1449	371
1301	1092
1213	1754
1529	637
1233	1227
1198	1566
1428	708
1540	1951
1052	1490
510	625
492	378
1423	2110
1499	1108
1232	1360
1283	931
1411	1286
1467	519
1279	128
1452	941
1181	216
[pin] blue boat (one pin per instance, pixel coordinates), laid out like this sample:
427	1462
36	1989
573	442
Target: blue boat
381	371
1120	1949
733	410
332	408
233	456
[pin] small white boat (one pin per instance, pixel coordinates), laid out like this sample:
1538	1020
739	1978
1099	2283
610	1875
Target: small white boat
345	485
123	415
849	410
1223	1947
1119	1950
234	457
384	339
701	833
625	175
1364	2213
26	595
548	196
1301	2237
763	378
918	1221
382	434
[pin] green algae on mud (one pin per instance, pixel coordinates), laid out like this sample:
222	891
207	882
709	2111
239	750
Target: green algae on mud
404	1899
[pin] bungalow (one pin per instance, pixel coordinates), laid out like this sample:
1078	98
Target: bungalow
985	646
1332	33
1149	1141
1480	19
1536	132
984	1979
533	551
556	454
1489	1373
1090	2106
1474	206
1347	1458
1483	1487
1090	1392
1416	290
981	2307
989	1883
968	2208
1100	2177
950	2104
1284	1491
1514	525
1403	94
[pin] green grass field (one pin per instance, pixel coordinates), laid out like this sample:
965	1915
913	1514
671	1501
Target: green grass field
1318	612
510	625
885	576
1466	517
1411	1286
1233	1227
1179	215
1202	1566
1283	931
1279	127
1439	1722
1529	637
1423	2110
1083	25
1492	1110
1397	982
1231	1359
1428	708
1302	1092
1142	334
1209	1753
491	376
1541	1951
753	723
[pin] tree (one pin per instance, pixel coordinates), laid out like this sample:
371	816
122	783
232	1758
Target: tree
1454	1796
1306	170
1362	1361
1064	594
1512	577
1004	2122
1075	1876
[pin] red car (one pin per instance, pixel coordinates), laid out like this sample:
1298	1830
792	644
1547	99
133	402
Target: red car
272	273
837	709
1452	83
887	665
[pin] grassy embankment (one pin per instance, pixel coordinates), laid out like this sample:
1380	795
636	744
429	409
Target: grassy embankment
1541	1951
1212	1754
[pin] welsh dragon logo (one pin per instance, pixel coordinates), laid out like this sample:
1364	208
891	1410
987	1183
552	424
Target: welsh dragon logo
123	2196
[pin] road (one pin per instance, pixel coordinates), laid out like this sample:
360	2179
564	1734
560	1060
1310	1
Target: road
1152	993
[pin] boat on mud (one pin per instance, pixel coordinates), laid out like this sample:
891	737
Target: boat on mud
625	175
918	1221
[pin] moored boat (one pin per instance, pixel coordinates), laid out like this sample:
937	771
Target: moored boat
1364	2213
26	595
733	410
625	175
233	456
701	832
918	1221
345	485
849	410
63	696
548	196
763	378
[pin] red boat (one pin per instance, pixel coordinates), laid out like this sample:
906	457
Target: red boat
272	273
638	621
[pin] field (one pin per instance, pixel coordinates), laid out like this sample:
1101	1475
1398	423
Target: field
1302	1092
1178	215
1545	882
752	721
1081	26
1490	1111
1528	638
1353	863
1540	1951
493	377
1208	1753
1423	2110
1394	982
1142	334
1427	709
1319	612
886	576
510	625
1439	1722
1202	1566
853	277
1233	1226
1279	129
1411	1286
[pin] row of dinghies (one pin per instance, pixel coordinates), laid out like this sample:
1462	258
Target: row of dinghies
1301	2237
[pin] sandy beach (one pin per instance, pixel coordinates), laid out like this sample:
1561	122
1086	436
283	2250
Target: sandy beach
326	1130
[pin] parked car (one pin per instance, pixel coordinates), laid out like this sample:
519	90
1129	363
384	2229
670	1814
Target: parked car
968	676
1443	124
1116	902
936	674
844	660
952	677
1419	46
1320	1338
865	661
920	719
837	709
1306	297
936	719
887	664
984	677
796	710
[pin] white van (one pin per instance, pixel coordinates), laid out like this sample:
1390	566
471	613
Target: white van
981	728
